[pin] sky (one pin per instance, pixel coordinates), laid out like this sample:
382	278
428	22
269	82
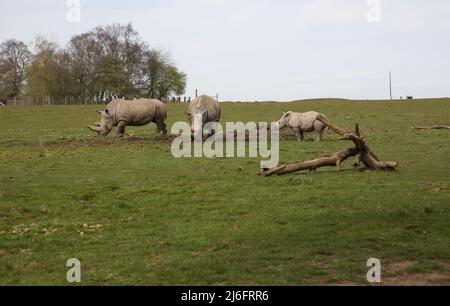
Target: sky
259	50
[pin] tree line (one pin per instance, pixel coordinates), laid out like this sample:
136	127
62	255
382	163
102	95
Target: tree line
107	62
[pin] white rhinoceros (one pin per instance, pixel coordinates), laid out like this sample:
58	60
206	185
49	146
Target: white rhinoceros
304	122
206	107
123	113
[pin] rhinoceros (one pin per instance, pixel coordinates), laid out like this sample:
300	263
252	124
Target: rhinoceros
304	122
123	113
206	107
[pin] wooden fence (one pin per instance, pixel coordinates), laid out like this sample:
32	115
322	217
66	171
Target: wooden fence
74	101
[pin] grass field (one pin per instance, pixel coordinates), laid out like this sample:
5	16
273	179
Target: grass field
133	214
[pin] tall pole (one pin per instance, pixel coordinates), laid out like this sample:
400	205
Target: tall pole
390	83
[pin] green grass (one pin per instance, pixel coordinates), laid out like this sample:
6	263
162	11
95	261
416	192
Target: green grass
133	214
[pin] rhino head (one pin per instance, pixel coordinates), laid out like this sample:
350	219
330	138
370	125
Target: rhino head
105	126
284	121
197	120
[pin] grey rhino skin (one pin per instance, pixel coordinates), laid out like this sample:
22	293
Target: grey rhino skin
208	108
304	122
123	113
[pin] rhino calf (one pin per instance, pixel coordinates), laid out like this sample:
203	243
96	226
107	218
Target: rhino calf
123	113
303	122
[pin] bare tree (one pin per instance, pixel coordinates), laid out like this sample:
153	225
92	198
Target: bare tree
14	60
161	77
106	62
82	51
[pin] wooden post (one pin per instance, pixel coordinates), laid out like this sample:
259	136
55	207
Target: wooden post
196	93
390	84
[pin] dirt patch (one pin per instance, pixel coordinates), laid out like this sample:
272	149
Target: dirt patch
433	187
395	274
287	134
32	266
101	142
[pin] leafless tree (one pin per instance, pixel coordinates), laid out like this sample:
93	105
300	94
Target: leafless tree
14	60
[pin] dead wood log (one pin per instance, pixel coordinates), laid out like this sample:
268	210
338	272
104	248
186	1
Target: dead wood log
345	134
437	127
334	160
333	127
360	151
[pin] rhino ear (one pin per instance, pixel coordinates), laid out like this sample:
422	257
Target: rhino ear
99	112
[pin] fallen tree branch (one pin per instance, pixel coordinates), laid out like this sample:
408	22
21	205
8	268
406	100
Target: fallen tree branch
437	127
334	160
361	152
345	134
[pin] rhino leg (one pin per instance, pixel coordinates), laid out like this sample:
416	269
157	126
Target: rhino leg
319	129
318	136
161	127
121	129
300	134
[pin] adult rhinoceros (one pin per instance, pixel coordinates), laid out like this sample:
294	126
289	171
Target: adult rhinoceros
304	122
123	113
205	107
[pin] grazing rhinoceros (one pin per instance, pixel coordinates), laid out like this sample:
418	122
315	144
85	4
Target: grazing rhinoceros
304	122
123	113
208	108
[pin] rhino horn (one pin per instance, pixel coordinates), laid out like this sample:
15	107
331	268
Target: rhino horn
94	128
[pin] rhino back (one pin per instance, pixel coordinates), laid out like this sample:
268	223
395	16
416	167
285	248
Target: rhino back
304	121
137	112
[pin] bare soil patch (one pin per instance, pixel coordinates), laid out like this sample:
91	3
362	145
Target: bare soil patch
395	274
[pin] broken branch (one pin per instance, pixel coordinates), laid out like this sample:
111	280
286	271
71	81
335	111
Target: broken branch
437	127
361	152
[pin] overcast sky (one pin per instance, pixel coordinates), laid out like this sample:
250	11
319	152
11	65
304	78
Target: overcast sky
283	50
